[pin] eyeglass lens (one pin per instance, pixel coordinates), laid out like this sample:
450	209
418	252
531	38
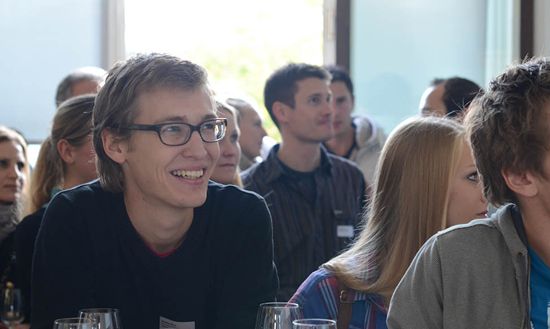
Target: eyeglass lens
180	133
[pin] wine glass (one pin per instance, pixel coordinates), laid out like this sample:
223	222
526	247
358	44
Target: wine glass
277	315
314	324
104	318
73	323
11	307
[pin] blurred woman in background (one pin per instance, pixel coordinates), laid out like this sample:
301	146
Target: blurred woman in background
66	159
227	167
253	134
14	182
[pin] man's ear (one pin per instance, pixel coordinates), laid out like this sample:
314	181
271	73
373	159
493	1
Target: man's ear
115	147
523	184
66	151
280	111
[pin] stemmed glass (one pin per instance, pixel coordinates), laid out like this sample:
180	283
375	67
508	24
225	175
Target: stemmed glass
314	324
73	323
104	318
11	307
277	315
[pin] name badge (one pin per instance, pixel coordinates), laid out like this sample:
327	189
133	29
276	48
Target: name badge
344	231
169	324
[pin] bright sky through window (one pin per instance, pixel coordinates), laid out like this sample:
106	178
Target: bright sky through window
239	42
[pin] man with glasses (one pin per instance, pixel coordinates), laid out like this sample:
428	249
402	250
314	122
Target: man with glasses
154	238
315	198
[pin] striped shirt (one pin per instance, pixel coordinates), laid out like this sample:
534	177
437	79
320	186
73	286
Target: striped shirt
315	215
318	298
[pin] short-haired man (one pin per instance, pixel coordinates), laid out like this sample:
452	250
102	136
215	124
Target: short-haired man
493	273
448	97
252	131
357	138
315	198
153	237
84	80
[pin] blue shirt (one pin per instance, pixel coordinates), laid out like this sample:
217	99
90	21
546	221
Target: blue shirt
318	297
540	292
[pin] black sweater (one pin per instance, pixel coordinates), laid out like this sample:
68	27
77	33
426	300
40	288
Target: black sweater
88	254
25	236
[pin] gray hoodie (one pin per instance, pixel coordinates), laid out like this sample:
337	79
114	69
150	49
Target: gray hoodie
369	139
468	276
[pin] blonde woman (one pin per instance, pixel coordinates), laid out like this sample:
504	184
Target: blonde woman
252	131
426	180
66	159
14	181
227	167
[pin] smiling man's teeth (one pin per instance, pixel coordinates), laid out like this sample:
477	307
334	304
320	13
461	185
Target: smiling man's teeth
192	174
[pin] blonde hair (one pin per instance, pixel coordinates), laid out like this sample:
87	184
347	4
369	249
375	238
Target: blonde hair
73	123
222	106
408	205
11	135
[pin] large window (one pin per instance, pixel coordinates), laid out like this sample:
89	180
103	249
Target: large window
41	42
239	42
398	47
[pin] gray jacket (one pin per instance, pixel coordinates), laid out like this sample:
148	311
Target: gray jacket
369	140
469	276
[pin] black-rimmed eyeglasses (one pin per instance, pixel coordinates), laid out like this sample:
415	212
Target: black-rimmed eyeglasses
179	133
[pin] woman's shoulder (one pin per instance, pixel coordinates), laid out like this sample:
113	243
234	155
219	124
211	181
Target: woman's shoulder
318	295
321	282
322	275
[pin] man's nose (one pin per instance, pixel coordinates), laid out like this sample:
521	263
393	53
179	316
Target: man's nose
195	146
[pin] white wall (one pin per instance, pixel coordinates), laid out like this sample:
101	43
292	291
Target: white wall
42	41
542	28
398	47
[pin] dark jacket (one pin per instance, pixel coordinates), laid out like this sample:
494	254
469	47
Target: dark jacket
315	215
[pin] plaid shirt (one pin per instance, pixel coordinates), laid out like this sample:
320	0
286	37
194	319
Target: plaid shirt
315	215
318	297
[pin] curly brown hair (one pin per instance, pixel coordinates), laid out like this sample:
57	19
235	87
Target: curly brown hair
508	129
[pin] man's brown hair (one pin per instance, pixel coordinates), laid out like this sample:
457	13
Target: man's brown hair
508	127
115	106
